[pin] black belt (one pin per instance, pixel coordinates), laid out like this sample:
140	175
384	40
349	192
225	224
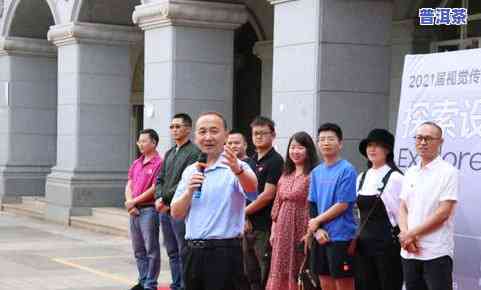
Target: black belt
215	243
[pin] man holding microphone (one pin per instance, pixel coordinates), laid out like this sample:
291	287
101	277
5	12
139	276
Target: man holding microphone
215	214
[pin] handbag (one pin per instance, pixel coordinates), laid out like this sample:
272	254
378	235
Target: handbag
351	249
306	279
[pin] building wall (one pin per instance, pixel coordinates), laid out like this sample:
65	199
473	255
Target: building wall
192	66
262	15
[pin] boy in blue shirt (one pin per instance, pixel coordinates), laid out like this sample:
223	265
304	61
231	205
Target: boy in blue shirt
332	194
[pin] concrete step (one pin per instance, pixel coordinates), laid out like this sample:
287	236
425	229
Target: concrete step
108	220
33	207
113	221
119	212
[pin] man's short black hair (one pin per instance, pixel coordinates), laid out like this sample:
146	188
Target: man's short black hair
152	135
236	131
331	127
186	119
263	121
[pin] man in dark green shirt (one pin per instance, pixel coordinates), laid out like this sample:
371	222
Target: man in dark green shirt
176	159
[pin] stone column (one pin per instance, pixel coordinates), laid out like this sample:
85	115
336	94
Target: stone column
264	51
28	122
331	63
188	59
94	85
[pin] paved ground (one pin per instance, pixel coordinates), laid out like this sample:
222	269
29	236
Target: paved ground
41	256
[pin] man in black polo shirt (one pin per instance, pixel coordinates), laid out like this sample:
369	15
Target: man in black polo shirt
269	166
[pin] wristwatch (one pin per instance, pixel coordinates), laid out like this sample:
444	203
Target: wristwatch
240	172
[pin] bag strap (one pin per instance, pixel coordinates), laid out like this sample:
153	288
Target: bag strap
381	190
305	264
306	254
303	267
361	182
385	179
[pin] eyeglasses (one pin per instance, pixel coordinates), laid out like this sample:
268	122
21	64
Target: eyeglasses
175	126
261	133
427	139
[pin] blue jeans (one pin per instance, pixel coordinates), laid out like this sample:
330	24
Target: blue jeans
144	231
173	232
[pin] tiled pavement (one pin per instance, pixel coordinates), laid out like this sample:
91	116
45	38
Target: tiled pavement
44	256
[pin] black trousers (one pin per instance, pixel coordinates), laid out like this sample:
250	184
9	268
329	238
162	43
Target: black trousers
379	272
256	255
433	274
217	268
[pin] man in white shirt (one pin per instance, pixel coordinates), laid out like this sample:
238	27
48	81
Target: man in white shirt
428	198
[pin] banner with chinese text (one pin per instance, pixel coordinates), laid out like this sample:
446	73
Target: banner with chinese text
446	88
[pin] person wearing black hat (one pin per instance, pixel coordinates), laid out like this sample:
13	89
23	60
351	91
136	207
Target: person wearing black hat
378	190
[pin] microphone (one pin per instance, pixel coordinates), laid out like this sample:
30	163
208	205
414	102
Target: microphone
201	166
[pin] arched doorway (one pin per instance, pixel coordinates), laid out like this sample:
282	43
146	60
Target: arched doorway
24	25
29	134
95	61
247	80
115	12
137	105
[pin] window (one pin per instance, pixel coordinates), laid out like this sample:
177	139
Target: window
474	7
460	37
474	28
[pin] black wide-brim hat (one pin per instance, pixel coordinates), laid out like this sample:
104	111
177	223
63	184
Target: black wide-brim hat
379	136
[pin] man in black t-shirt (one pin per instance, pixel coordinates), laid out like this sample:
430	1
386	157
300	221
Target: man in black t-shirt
269	166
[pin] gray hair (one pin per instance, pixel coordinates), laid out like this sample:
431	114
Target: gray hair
433	124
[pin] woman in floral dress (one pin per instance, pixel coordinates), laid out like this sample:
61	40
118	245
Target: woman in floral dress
290	213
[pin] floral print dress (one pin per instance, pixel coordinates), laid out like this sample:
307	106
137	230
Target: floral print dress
290	215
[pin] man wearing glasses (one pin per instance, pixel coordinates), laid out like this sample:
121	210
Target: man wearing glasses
269	165
428	198
176	159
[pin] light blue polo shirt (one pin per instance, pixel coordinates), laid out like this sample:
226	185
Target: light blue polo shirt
219	212
333	184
